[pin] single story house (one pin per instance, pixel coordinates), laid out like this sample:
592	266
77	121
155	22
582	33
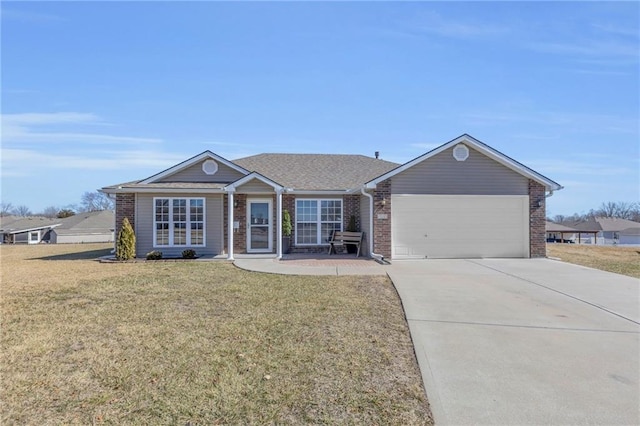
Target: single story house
26	230
606	230
462	199
558	233
89	227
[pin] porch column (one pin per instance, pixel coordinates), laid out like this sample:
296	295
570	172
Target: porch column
230	192
279	223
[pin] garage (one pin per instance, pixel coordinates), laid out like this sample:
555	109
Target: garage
459	226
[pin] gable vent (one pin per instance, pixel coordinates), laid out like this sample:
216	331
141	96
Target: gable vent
460	152
210	167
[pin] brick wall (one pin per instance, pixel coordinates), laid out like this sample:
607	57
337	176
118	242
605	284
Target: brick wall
125	207
537	240
382	224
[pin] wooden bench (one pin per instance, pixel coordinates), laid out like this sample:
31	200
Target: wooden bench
340	238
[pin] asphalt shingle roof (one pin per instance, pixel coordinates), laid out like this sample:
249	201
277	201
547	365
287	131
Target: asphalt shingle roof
27	223
317	171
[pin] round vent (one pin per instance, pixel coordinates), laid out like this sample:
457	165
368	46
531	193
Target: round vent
460	152
210	167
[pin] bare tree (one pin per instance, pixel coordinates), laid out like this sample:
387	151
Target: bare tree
22	211
6	209
619	209
95	201
50	212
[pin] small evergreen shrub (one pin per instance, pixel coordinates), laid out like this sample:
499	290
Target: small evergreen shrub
286	224
154	255
126	242
188	254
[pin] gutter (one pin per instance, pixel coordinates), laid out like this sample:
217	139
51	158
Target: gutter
376	256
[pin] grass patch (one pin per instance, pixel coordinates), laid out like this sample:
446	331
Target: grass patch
621	260
200	343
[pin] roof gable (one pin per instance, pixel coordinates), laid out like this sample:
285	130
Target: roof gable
250	177
206	155
480	147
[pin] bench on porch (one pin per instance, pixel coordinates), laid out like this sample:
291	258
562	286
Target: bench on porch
345	237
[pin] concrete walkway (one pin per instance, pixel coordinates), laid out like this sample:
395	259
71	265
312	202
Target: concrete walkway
312	265
523	341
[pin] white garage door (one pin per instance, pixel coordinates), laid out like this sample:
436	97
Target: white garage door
459	226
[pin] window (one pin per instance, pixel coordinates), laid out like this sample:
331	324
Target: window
178	222
316	220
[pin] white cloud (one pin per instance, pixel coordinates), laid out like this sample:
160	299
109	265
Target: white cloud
24	128
434	23
589	48
14	160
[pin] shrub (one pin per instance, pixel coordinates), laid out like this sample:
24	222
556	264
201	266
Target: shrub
286	223
188	254
154	255
126	243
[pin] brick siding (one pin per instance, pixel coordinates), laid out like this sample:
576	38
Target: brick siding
125	207
537	240
382	225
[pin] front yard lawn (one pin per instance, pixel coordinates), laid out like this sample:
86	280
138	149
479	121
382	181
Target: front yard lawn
198	343
621	260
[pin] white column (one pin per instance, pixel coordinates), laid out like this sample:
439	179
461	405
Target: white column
279	224
230	224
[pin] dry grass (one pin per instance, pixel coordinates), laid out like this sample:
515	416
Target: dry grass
198	343
621	260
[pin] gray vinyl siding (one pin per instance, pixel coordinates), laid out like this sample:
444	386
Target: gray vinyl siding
144	225
442	174
255	186
364	224
225	174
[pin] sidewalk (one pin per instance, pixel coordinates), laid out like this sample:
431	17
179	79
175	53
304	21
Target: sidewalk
313	265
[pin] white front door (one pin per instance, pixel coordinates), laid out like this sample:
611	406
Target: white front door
259	225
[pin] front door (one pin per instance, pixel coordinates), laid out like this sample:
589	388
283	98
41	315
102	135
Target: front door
259	226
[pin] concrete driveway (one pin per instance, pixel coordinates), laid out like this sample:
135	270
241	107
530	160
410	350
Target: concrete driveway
524	341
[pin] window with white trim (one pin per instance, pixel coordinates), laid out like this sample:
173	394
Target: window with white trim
178	222
316	220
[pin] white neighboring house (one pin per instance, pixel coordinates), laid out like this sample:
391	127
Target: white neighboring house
630	236
90	227
610	230
26	230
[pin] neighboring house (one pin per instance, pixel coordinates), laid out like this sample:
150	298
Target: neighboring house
630	236
557	233
90	227
462	199
606	230
26	230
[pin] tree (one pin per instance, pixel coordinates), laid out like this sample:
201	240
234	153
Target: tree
6	209
126	243
95	201
620	209
22	211
65	213
50	212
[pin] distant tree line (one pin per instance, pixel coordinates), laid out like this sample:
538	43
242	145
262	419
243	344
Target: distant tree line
619	209
89	202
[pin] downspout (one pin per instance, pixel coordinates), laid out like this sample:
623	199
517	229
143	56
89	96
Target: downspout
371	253
279	224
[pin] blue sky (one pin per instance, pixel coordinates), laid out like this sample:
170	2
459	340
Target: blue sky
99	93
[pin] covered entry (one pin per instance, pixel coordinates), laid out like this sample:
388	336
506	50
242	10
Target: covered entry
459	226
